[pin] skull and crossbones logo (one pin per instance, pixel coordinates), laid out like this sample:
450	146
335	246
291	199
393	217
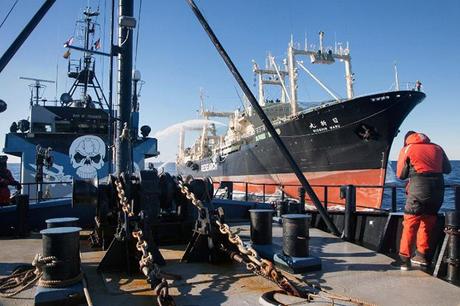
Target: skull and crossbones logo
87	155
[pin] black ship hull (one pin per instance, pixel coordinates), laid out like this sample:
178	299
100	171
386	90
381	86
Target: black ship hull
334	144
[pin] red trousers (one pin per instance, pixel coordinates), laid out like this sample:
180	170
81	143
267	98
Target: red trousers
416	229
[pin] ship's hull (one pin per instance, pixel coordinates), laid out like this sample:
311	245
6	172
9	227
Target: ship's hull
342	143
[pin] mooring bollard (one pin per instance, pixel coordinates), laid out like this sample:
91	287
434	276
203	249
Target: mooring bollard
296	235
64	244
261	226
62	222
22	215
348	192
295	255
452	229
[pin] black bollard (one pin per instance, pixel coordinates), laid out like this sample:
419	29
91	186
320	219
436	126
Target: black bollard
22	214
452	223
62	243
261	226
62	222
296	235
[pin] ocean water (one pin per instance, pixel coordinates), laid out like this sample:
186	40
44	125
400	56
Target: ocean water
451	179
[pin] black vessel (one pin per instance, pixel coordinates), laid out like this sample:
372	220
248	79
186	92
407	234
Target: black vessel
344	141
79	129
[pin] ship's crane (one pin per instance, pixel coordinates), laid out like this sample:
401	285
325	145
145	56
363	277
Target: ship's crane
271	75
320	56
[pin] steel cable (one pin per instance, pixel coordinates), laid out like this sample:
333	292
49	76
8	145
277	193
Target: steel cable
9	12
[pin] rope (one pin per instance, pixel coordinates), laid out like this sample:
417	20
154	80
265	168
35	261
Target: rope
9	12
23	277
60	283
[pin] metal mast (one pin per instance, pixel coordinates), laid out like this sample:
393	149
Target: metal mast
125	67
292	77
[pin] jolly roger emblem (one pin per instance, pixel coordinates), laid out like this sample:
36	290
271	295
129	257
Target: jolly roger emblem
87	155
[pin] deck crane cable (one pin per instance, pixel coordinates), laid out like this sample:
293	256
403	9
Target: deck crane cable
104	23
137	33
9	12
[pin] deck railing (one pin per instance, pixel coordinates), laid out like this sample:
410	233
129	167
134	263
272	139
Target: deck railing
326	188
40	195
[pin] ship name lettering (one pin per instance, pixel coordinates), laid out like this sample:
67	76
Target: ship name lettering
336	126
320	129
335	120
323	123
380	98
312	126
208	167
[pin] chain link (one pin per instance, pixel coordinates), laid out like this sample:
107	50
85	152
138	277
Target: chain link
122	199
189	195
146	263
254	262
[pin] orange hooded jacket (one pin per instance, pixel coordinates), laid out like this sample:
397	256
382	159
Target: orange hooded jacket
420	156
423	163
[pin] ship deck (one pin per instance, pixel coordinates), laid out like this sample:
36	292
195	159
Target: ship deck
347	269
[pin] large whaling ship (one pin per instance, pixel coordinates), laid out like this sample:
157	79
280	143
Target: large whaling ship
74	137
337	142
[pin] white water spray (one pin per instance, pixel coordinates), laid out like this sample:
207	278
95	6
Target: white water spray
189	124
168	138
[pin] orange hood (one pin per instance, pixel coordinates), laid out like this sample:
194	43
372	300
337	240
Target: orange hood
417	138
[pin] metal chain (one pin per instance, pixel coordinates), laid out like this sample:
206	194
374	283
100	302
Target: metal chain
146	263
123	200
189	195
254	262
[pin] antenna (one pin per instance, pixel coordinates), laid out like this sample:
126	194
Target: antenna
202	110
36	80
35	88
321	37
396	76
306	42
335	42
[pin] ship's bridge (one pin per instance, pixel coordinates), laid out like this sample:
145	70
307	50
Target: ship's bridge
64	119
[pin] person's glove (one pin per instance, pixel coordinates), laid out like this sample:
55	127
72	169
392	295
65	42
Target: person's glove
18	186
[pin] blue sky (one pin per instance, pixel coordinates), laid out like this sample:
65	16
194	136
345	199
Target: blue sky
176	58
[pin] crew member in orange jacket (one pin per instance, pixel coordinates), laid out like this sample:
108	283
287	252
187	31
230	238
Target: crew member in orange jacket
424	163
6	179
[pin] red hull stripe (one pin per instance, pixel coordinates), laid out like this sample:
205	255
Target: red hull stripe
365	196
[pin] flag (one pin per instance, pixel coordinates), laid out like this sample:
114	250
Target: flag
66	54
69	42
97	44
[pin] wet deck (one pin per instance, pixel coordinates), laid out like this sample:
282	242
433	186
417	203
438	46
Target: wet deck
348	269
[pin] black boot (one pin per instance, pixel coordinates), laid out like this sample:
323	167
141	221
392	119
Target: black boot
403	263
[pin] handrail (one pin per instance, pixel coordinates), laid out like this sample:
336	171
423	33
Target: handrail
38	197
392	186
